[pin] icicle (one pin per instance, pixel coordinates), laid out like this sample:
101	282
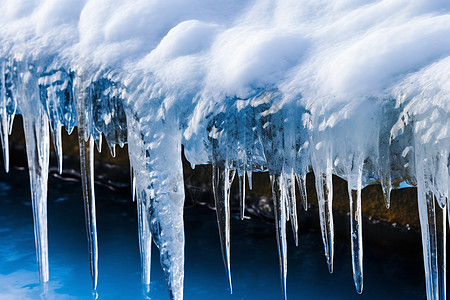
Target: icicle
86	144
112	150
37	142
98	143
222	179
280	228
433	228
145	238
249	177
242	195
324	188
441	178
386	186
4	126
87	181
354	193
289	182
133	183
158	171
301	182
37	139
4	140
57	144
384	157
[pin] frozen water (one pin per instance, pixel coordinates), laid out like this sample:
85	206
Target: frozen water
356	90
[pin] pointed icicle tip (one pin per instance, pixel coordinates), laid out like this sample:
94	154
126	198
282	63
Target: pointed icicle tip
222	179
279	202
324	189
387	188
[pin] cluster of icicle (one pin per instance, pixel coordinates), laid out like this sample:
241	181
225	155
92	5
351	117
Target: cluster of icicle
287	87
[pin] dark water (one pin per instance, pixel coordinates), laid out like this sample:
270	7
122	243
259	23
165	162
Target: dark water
388	274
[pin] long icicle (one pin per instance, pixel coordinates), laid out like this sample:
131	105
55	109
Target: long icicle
433	231
145	238
442	249
4	126
86	144
57	143
354	194
37	139
87	181
289	181
242	194
280	228
37	143
324	188
222	178
301	182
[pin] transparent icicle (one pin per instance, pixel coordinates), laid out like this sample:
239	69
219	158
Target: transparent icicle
222	178
37	143
242	195
98	143
386	186
4	126
249	178
280	227
86	144
324	188
133	184
87	181
57	144
354	177
37	139
291	202
145	238
433	221
301	182
112	150
384	158
441	178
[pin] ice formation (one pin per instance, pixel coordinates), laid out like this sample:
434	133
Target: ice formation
361	91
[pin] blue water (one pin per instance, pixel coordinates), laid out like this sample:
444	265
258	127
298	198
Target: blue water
388	275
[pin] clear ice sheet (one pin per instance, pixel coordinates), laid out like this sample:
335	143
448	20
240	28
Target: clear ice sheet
287	87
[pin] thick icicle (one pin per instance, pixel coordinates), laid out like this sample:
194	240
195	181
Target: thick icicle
36	129
155	155
37	141
86	144
354	177
301	182
280	227
433	228
324	188
222	179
